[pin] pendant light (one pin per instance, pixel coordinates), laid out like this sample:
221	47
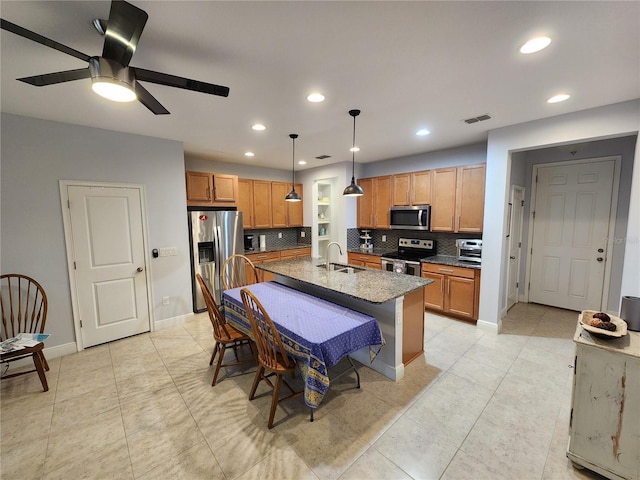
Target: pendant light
353	190
293	196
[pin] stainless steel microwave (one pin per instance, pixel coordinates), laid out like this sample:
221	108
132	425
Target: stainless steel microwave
417	217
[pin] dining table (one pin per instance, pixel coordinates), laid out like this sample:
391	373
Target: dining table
314	332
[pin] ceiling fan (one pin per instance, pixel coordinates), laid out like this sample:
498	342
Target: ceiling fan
110	73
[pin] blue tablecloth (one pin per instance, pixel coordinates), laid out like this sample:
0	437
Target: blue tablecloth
315	332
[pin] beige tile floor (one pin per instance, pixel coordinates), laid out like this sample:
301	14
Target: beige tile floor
476	406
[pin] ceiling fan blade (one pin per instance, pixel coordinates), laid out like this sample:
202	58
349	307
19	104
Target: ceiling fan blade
179	82
124	27
149	101
57	77
28	34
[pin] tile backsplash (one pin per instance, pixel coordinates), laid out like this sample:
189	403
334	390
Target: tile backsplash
291	237
445	242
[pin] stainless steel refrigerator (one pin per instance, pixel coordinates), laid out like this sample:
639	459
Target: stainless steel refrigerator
214	236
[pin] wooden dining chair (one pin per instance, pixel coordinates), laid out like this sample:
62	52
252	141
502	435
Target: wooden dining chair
238	271
272	357
23	303
224	334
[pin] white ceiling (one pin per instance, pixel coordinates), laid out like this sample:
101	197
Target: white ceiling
404	64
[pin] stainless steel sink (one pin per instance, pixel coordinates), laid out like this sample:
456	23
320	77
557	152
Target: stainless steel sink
338	267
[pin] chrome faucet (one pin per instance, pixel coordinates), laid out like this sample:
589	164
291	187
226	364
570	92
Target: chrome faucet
339	249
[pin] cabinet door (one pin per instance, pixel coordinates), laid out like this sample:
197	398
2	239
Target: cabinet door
225	188
279	190
199	186
382	201
443	199
460	296
373	264
421	188
401	188
261	204
365	204
470	198
295	210
434	292
245	201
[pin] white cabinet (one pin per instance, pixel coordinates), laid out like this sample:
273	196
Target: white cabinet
604	430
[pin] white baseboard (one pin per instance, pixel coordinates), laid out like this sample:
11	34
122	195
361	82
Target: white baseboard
489	326
49	353
173	321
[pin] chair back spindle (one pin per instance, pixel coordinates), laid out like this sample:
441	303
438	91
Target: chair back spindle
238	271
23	304
220	331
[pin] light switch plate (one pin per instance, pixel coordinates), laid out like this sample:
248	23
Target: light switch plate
168	251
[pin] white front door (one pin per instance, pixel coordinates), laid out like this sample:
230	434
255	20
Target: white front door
570	231
108	254
515	244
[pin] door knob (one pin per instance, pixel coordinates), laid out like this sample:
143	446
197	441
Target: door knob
512	258
599	259
139	269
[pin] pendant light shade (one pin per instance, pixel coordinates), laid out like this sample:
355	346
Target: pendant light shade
353	190
293	196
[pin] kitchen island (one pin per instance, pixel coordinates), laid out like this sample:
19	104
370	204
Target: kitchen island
395	300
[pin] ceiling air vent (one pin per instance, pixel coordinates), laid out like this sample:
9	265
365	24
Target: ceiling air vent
322	157
479	118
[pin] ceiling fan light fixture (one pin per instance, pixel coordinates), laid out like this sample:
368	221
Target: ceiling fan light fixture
293	196
111	80
353	190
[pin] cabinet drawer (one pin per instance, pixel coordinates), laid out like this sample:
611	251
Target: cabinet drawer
264	257
448	270
295	253
363	257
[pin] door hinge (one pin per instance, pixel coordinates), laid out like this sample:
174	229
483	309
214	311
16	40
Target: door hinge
75	266
522	203
80	323
519	244
68	204
531	252
534	215
536	178
517	284
529	286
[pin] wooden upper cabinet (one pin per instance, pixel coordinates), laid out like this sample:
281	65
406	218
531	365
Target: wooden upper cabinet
401	189
245	201
261	204
381	201
458	199
421	188
443	203
225	188
412	189
199	186
206	189
470	198
365	203
279	190
295	210
374	205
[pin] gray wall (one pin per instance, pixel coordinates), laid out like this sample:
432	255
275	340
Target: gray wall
36	154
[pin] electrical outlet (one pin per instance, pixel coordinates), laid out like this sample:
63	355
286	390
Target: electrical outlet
279	234
303	234
165	300
384	238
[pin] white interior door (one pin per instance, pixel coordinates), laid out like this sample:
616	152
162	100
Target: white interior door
515	244
570	231
110	272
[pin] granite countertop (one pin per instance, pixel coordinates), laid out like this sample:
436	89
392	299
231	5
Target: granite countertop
368	284
277	249
450	260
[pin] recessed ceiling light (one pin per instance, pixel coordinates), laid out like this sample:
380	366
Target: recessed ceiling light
559	98
259	127
354	149
535	45
249	154
315	97
302	162
422	132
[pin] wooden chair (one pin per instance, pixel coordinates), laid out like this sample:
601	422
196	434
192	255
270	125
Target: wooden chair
224	334
23	303
272	356
238	271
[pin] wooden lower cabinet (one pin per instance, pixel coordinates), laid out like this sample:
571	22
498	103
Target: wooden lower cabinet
364	260
455	290
295	253
265	257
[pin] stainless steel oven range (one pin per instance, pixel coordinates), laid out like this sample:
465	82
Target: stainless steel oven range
407	258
